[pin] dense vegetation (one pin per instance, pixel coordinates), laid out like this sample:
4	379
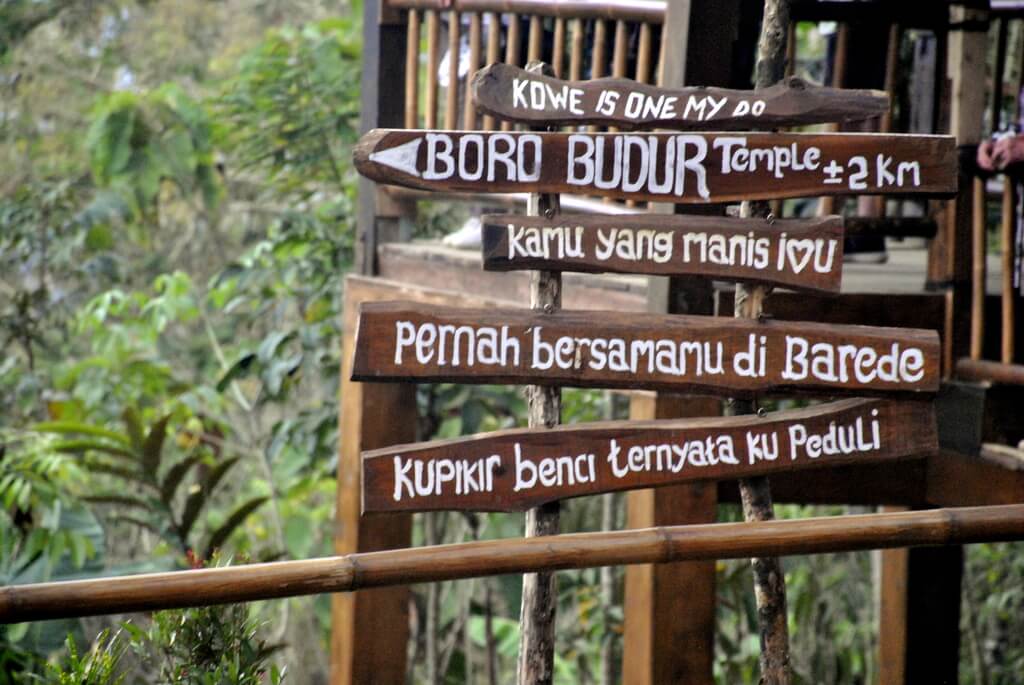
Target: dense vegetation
176	218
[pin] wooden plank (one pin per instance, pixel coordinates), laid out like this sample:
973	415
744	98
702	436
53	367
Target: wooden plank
992	372
681	168
359	655
892	615
803	254
1008	228
667	605
513	94
383	63
515	470
710	355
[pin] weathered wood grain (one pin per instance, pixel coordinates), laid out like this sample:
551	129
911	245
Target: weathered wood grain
406	341
667	167
798	253
513	94
514	470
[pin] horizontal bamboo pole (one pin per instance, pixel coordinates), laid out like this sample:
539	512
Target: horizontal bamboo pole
652	11
203	587
988	371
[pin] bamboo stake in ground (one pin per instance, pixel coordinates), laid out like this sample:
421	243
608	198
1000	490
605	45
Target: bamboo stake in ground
769	581
540	597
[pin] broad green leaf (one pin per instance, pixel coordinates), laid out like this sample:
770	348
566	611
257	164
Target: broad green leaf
174	476
119	499
153	447
133	424
234	520
66	427
197	498
82	446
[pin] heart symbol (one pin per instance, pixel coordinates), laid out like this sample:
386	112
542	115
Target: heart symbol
793	248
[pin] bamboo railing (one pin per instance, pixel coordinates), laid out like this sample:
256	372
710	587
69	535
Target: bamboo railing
975	367
493	23
204	587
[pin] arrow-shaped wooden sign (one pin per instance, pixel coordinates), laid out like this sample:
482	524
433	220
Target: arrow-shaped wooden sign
514	470
669	167
514	94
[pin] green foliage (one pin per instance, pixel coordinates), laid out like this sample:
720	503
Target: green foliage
205	646
136	142
38	508
216	645
99	666
163	497
291	110
992	640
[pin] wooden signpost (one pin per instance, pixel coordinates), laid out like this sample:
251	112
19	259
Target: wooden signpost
398	341
544	348
514	470
513	94
805	254
663	167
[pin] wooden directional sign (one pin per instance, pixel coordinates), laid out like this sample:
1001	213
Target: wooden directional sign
668	167
517	469
804	254
515	94
401	341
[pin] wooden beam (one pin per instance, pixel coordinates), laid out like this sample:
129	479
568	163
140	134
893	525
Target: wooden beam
359	655
892	614
670	605
382	104
372	415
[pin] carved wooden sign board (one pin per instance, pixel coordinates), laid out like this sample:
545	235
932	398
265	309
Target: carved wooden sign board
663	167
801	254
517	469
514	94
400	341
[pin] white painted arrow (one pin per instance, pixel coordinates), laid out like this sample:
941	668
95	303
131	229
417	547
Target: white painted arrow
401	157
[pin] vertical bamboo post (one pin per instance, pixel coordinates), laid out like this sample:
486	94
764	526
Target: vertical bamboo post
892	62
493	48
451	102
1008	224
475	45
576	51
827	205
558	49
511	52
540	596
433	37
769	581
412	70
978	248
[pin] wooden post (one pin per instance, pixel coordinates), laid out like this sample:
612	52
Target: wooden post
382	104
1008	227
979	248
359	655
950	253
769	581
668	605
540	595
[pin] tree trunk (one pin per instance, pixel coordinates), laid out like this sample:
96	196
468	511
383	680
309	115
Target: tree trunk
769	581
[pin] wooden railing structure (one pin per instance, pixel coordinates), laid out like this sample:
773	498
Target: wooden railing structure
918	636
670	588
